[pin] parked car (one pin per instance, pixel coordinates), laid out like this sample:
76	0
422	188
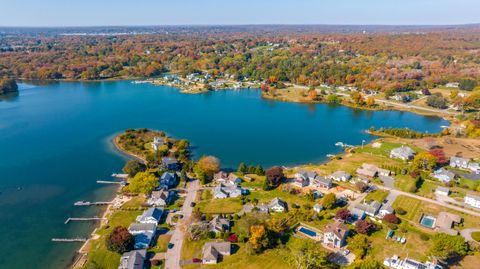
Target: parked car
192	204
196	260
170	245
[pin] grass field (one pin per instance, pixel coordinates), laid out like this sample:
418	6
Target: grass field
377	195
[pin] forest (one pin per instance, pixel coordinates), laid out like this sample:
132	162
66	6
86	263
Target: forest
380	61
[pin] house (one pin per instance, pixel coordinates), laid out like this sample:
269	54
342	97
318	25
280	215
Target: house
143	234
322	182
248	208
232	179
303	178
159	198
365	208
317	208
134	259
151	215
443	175
371	171
219	224
403	153
170	163
262	208
445	222
396	263
213	251
442	191
457	162
277	205
221	191
472	200
452	85
474	167
168	180
340	176
157	143
220	177
335	234
386	209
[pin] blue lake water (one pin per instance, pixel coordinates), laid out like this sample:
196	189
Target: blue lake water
55	143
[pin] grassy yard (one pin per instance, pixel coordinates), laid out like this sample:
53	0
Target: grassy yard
377	195
220	206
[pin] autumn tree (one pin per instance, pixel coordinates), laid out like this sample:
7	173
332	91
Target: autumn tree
275	175
8	86
259	238
364	227
370	101
132	167
120	240
209	164
359	245
343	214
391	218
439	155
329	201
423	161
142	182
312	95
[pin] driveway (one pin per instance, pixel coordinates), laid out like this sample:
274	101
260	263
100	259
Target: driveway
467	234
172	260
471	176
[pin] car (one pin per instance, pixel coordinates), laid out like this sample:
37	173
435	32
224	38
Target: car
346	252
170	245
196	260
192	204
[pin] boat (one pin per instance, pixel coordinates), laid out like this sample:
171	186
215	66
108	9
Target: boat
339	144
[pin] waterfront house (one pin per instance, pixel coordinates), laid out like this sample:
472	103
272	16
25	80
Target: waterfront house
443	174
220	177
170	163
219	224
403	153
336	234
445	222
457	162
232	179
340	176
386	209
157	143
472	200
277	205
474	167
159	198
143	234
168	180
371	171
397	263
442	191
317	208
213	251
303	178
322	182
151	215
134	259
221	191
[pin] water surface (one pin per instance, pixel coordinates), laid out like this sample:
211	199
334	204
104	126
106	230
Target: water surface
55	143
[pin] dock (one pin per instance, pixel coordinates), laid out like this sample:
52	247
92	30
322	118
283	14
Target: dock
120	175
86	203
83	219
77	239
110	182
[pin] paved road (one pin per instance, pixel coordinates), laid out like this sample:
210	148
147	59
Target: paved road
172	260
464	210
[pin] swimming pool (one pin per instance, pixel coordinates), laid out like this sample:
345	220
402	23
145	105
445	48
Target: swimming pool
307	232
428	221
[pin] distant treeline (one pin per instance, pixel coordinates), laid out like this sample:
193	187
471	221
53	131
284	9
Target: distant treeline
402	132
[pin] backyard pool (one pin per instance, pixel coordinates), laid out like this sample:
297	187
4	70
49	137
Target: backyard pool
307	232
428	221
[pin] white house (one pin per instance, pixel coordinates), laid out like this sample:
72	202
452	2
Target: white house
317	208
157	143
212	251
336	234
277	205
474	167
143	234
397	263
403	153
443	175
472	200
159	198
340	176
151	215
304	178
457	162
134	259
442	191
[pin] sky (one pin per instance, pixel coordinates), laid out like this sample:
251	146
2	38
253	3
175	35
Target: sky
230	12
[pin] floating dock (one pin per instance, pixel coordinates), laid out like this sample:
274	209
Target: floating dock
83	219
78	239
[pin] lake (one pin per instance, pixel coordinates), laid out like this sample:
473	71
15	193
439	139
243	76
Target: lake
55	144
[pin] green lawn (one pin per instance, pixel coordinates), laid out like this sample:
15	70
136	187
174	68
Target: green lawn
383	150
220	206
377	195
476	236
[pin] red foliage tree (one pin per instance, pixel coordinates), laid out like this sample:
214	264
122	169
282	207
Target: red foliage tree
343	214
440	155
265	87
120	240
364	227
233	238
391	218
275	175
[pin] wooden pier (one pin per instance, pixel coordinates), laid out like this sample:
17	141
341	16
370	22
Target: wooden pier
124	176
86	203
77	239
83	219
110	182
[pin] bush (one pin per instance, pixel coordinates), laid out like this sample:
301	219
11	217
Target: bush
401	211
424	237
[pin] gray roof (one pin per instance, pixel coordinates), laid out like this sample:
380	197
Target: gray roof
277	202
140	227
370	208
324	180
340	174
169	160
444	173
307	174
211	250
152	212
134	259
476	197
403	151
